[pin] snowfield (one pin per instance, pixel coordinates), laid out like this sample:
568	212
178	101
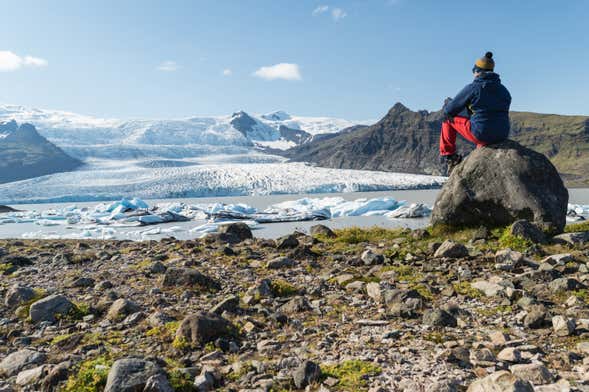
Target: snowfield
111	180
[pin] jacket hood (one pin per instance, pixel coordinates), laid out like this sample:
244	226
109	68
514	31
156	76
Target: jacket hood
488	77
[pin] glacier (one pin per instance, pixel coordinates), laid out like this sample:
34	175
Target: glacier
112	180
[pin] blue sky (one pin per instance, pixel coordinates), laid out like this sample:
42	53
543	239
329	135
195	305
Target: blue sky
348	58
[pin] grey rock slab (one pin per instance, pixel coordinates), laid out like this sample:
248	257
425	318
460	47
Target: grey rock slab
130	375
501	381
47	308
20	360
451	249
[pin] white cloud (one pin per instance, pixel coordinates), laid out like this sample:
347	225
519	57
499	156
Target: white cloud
285	71
338	14
12	62
320	10
227	72
168	66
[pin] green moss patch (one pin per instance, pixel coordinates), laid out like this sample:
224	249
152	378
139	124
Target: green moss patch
353	375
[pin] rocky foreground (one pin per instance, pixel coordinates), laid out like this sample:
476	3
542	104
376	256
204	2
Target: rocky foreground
377	310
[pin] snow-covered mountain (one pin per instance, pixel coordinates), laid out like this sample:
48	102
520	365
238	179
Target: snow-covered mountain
90	137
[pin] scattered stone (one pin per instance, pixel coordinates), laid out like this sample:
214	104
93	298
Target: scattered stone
501	381
451	249
524	229
509	354
439	318
121	308
47	308
373	291
509	259
296	305
83	282
203	327
563	326
322	231
158	319
288	242
535	317
572	238
158	268
306	374
158	383
563	284
189	277
13	363
535	373
31	376
280	262
371	258
240	230
130	375
17	295
228	304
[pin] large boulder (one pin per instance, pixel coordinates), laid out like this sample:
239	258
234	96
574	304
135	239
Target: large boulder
499	184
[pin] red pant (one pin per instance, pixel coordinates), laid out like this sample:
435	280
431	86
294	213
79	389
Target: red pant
459	125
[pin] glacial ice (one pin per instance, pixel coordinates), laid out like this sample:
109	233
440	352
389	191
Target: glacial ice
114	179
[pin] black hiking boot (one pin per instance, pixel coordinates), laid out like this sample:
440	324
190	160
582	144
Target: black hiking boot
452	161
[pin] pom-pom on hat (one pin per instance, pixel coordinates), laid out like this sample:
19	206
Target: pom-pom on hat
485	63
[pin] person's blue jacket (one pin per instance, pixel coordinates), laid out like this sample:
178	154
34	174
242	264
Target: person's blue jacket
487	101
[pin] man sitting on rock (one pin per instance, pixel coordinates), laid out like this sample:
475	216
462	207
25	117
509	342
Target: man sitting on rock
480	112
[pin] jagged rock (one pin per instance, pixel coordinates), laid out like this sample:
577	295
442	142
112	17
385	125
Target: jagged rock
280	262
130	375
17	295
572	238
31	376
20	360
499	184
157	319
373	290
287	242
228	304
564	284
203	327
205	382
240	230
451	249
82	282
563	326
536	317
158	268
524	229
56	375
189	277
508	259
121	308
535	373
47	308
509	354
439	318
321	230
306	374
501	381
158	383
371	258
489	288
296	305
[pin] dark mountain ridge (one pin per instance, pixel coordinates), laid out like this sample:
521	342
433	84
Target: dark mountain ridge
407	141
27	154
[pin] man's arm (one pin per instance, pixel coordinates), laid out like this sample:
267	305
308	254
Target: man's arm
459	103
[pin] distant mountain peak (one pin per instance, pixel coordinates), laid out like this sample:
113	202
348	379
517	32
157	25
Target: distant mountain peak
278	115
399	108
